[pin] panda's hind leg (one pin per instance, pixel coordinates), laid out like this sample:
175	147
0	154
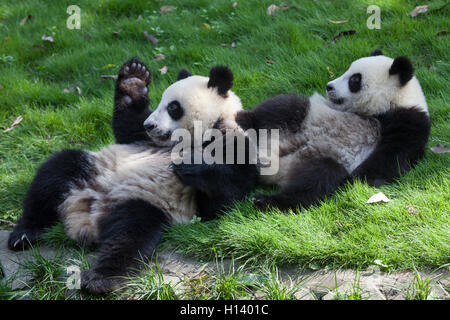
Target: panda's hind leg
308	182
131	102
55	177
128	237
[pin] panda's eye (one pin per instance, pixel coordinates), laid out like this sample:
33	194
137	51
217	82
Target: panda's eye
354	83
175	110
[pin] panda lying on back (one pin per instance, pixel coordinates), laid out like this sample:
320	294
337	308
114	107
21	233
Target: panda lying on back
374	126
122	196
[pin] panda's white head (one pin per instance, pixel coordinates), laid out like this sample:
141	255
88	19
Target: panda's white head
193	98
372	85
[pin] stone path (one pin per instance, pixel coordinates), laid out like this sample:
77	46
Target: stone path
321	284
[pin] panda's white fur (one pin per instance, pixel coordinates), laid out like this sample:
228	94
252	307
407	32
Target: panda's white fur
380	91
203	104
125	171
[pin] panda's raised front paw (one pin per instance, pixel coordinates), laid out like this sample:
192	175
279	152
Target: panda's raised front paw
94	282
133	79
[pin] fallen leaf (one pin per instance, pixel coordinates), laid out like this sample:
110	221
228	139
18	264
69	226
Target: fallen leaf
49	39
412	210
165	9
151	38
274	8
163	70
338	22
330	72
379	197
24	20
108	66
109	76
159	56
344	33
14	124
268	61
72	88
339	225
439	148
234	4
12	224
418	10
442	33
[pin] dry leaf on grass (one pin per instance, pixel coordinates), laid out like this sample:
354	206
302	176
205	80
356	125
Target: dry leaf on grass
49	39
338	22
163	70
159	56
418	10
439	148
72	88
268	61
109	76
274	8
24	20
379	197
412	210
165	9
15	123
151	38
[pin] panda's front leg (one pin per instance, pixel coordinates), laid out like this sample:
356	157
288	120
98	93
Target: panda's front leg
131	102
129	236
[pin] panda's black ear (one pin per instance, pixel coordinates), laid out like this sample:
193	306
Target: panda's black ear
376	52
183	74
403	68
220	77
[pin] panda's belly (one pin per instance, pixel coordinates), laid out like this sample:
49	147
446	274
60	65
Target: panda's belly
344	137
125	172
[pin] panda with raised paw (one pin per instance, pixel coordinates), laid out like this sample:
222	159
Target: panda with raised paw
374	126
124	195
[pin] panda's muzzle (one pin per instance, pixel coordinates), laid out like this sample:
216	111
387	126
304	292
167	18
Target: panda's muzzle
155	133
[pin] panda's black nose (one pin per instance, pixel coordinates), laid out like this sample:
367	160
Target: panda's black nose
330	87
149	127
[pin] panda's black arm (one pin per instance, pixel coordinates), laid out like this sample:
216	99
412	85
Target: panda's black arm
284	111
217	185
131	102
404	135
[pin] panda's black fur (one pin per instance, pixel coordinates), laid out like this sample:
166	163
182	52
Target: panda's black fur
129	228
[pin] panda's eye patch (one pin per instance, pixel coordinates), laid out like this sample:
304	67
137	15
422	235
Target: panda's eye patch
354	83
175	110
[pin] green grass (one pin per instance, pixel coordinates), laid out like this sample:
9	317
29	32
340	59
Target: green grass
343	231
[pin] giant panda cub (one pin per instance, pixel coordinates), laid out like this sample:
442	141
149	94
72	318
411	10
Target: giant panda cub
373	126
122	196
